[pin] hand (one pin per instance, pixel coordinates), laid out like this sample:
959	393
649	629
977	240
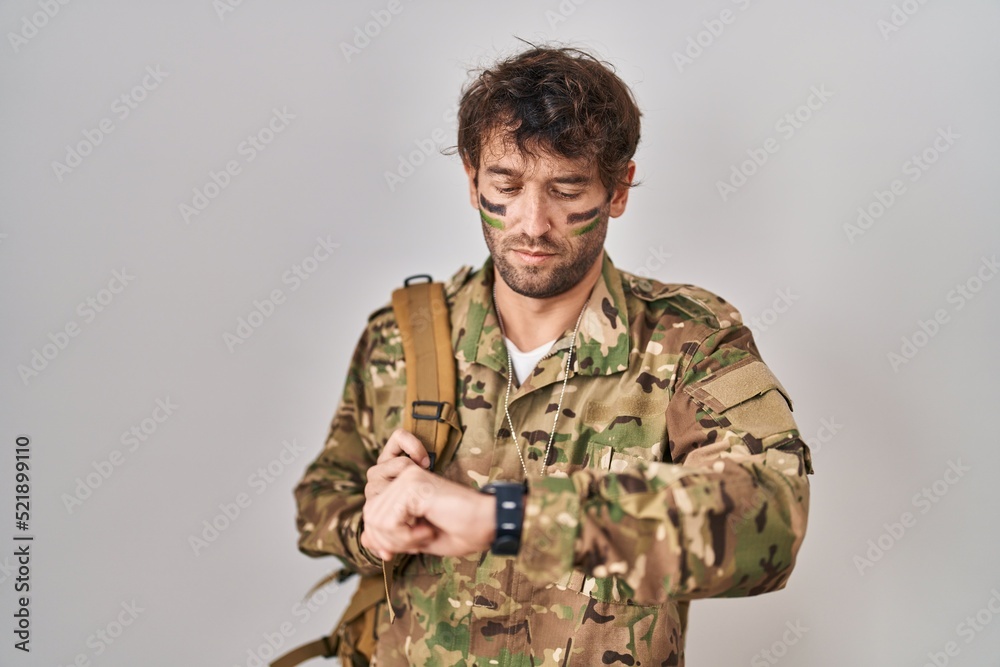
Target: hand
404	442
419	512
391	461
391	524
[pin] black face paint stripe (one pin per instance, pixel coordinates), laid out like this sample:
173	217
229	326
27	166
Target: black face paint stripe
583	217
495	209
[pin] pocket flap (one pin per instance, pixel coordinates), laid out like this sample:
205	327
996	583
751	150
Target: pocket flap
736	385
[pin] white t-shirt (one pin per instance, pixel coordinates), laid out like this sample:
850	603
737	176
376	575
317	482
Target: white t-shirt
525	362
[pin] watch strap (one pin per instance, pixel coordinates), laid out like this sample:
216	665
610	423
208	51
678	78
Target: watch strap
510	516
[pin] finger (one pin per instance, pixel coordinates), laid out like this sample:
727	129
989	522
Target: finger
401	540
381	474
422	536
403	442
379	543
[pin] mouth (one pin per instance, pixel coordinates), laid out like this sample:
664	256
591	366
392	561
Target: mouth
532	256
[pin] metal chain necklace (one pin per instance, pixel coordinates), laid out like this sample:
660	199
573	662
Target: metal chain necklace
562	393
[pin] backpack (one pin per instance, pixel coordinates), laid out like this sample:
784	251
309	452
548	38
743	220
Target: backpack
422	314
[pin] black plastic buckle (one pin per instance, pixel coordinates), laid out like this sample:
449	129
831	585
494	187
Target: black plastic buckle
433	460
331	649
427	276
436	417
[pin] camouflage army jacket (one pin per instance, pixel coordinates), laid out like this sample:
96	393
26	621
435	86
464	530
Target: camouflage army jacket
677	472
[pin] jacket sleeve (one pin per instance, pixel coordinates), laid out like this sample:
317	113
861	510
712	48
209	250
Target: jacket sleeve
330	495
724	517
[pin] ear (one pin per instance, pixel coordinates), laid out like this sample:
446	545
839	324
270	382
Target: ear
470	173
620	197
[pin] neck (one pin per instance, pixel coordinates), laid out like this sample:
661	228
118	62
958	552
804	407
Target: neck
530	322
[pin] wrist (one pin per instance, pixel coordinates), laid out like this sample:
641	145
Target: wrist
489	519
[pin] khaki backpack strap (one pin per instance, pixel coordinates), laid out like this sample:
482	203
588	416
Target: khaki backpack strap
425	327
422	314
321	647
368	594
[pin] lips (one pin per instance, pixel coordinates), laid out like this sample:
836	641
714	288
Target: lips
533	256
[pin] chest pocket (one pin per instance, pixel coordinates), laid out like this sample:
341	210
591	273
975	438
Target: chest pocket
619	434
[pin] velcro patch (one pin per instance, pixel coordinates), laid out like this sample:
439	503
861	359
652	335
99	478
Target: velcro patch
633	406
749	396
736	384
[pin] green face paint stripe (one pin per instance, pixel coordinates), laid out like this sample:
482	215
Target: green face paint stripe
589	227
492	222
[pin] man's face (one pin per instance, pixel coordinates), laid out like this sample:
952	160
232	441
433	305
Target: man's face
544	217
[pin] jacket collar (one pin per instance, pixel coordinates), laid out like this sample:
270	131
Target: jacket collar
602	342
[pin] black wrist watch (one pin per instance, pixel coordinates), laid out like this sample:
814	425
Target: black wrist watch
510	516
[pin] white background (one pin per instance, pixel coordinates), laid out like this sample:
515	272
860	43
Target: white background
895	430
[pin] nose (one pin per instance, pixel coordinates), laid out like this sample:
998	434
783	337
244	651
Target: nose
535	216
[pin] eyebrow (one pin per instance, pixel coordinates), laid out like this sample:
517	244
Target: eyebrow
572	179
564	179
497	170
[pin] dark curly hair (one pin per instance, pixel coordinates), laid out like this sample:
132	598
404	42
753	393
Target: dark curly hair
560	100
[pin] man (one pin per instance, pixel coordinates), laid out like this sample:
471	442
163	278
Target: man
660	457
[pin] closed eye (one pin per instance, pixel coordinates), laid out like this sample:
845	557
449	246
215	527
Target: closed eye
567	195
